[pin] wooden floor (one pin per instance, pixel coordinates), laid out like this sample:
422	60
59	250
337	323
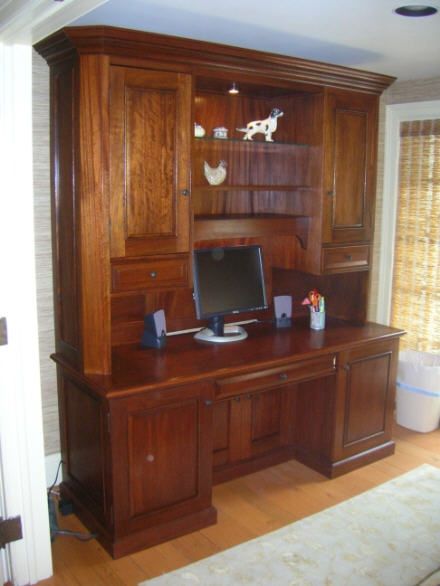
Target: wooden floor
247	507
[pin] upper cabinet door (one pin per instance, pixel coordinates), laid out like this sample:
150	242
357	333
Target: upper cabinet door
149	161
350	154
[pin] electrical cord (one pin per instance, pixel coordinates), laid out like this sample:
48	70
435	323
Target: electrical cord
53	519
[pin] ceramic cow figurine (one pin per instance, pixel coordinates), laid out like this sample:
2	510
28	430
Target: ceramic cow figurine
266	126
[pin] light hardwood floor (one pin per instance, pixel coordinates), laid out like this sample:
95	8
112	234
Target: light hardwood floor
247	507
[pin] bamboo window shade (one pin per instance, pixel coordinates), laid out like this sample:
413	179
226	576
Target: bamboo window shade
416	277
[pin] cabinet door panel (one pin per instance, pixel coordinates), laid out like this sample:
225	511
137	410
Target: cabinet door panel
265	420
162	452
252	425
349	166
221	432
367	388
162	472
149	152
366	392
350	130
84	450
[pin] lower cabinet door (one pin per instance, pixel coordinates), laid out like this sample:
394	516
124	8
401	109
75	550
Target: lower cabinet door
162	456
251	425
365	398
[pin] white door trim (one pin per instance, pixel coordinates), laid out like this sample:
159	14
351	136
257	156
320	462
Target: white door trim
394	115
20	403
28	560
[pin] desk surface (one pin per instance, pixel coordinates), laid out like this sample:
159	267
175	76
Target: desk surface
185	359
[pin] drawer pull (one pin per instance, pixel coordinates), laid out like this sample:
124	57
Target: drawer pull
153	274
283	376
149	458
348	257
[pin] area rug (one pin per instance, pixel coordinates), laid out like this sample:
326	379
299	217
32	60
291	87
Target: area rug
387	536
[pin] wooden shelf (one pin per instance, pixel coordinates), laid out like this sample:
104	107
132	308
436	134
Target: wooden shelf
209	227
253	144
253	166
225	187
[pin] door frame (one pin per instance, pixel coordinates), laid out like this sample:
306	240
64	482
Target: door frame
23	23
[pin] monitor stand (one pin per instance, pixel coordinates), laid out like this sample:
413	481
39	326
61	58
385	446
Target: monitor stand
220	333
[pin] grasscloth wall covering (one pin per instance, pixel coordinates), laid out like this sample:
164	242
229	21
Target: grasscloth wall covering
43	260
422	90
399	93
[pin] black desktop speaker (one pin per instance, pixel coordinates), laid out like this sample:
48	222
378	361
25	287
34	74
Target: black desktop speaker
155	330
282	305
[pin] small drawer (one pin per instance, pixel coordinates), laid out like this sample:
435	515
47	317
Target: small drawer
149	274
274	377
345	258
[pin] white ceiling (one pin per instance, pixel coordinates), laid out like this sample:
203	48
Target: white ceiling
365	34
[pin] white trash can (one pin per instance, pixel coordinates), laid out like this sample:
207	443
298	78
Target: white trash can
418	391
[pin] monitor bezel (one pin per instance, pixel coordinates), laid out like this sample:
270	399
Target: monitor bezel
196	282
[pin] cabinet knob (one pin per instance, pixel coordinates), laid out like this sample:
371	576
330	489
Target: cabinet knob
283	376
346	367
185	192
348	257
153	274
149	458
237	399
330	193
208	402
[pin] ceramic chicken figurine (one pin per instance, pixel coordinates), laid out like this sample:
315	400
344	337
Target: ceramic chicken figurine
215	175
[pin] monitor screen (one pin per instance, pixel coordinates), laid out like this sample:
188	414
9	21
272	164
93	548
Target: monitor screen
228	280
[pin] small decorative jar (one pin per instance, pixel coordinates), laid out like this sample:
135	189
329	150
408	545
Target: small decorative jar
199	131
220	132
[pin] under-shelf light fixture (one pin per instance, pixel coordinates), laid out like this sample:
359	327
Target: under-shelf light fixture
233	89
416	10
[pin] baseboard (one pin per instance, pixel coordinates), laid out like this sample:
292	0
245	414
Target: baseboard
52	462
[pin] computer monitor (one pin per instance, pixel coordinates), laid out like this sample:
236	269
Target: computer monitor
227	280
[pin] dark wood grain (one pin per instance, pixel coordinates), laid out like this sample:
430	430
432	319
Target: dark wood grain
145	432
93	213
365	389
204	56
186	359
350	155
149	139
64	204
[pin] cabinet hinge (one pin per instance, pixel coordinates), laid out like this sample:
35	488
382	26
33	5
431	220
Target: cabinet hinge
10	530
3	331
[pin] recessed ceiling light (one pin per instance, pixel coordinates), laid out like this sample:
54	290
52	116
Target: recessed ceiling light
416	10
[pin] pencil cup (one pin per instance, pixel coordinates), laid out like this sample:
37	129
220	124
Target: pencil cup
317	320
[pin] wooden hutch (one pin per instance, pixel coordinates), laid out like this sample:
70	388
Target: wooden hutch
146	432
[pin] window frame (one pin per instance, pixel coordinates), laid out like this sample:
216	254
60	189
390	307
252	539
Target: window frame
394	115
